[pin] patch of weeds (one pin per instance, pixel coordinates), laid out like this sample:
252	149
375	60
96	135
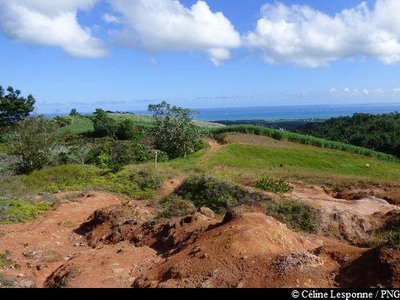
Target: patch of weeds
275	186
215	194
135	183
390	233
299	216
16	211
6	281
5	259
175	206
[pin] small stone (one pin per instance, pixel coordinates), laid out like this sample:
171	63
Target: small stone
205	255
240	285
207	212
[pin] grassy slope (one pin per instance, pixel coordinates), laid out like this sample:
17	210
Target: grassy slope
245	160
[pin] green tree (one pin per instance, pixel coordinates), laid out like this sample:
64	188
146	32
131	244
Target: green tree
103	124
14	107
174	131
74	113
34	139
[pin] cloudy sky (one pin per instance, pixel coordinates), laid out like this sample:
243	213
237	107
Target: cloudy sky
125	54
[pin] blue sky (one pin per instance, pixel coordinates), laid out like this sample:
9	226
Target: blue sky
123	54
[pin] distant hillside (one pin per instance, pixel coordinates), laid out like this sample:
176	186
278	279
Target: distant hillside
276	124
378	132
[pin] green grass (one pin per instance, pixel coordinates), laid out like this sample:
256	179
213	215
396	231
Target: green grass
304	139
135	181
78	125
16	211
275	186
299	162
298	215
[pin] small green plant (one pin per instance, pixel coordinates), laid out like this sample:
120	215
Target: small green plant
175	206
16	211
5	259
299	216
274	186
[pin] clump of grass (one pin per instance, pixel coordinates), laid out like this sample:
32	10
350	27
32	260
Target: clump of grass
390	233
175	206
275	186
217	195
16	211
299	216
5	259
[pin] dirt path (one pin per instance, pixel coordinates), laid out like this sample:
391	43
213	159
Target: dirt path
42	245
212	148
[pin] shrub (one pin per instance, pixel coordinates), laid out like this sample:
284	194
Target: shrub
15	211
126	130
298	215
215	194
116	154
103	124
274	186
34	139
175	206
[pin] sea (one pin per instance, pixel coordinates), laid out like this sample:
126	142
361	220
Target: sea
271	113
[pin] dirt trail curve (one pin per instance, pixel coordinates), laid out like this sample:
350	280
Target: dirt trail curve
44	244
212	147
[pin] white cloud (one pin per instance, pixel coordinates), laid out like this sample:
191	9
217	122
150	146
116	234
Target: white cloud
109	18
51	23
159	25
307	37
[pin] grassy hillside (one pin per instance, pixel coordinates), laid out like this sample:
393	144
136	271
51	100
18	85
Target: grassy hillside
248	156
304	139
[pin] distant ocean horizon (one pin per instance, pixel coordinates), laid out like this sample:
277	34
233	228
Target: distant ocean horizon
271	113
292	112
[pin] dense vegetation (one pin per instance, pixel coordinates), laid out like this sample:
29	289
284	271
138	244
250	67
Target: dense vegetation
101	139
378	132
303	139
275	124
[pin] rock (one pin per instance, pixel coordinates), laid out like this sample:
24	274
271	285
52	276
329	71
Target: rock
207	212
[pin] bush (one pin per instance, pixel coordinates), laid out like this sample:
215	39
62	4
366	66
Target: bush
103	124
116	154
15	211
274	186
175	206
34	140
126	130
217	195
298	215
